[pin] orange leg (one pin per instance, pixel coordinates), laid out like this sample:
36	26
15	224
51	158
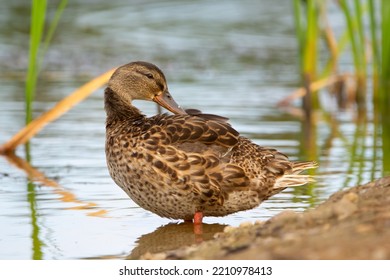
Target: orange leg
198	217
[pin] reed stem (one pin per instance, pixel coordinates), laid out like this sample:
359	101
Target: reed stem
375	49
355	25
299	30
53	26
385	86
38	48
385	63
36	29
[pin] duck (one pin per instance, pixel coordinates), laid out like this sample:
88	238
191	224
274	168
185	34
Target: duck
187	165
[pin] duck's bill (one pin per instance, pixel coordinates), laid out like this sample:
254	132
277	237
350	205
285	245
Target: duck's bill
166	100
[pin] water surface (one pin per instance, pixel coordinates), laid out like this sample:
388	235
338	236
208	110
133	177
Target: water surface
233	58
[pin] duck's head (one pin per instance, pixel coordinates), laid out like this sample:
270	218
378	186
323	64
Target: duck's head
144	81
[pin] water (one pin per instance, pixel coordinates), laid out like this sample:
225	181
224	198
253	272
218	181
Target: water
236	58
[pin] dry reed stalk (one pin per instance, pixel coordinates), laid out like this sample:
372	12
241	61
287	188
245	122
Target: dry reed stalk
59	109
314	86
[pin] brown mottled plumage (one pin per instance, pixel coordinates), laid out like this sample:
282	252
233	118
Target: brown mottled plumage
187	163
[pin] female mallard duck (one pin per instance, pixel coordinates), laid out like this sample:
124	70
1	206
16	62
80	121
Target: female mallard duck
187	165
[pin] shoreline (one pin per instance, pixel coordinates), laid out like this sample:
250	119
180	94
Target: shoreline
351	224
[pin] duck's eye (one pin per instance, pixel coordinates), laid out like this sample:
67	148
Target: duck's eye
149	75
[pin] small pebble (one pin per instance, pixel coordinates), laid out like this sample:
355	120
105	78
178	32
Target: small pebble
363	228
246	224
379	254
229	229
259	222
351	196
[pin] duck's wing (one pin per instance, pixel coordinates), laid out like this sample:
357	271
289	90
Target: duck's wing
200	128
194	149
196	112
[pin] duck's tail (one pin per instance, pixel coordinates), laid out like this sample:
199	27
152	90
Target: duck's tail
293	178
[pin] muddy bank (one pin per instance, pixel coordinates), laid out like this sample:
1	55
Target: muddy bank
351	224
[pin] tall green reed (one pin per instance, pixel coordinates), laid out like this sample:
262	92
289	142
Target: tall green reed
38	47
367	25
307	33
354	21
385	85
372	9
310	29
37	50
385	61
38	12
306	24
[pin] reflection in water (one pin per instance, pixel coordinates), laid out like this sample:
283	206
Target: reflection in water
309	150
35	175
171	237
36	242
37	253
239	63
65	196
358	147
385	135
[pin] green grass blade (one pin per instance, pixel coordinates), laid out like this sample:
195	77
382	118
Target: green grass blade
53	26
385	67
351	30
299	30
385	86
360	36
374	37
310	49
36	29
